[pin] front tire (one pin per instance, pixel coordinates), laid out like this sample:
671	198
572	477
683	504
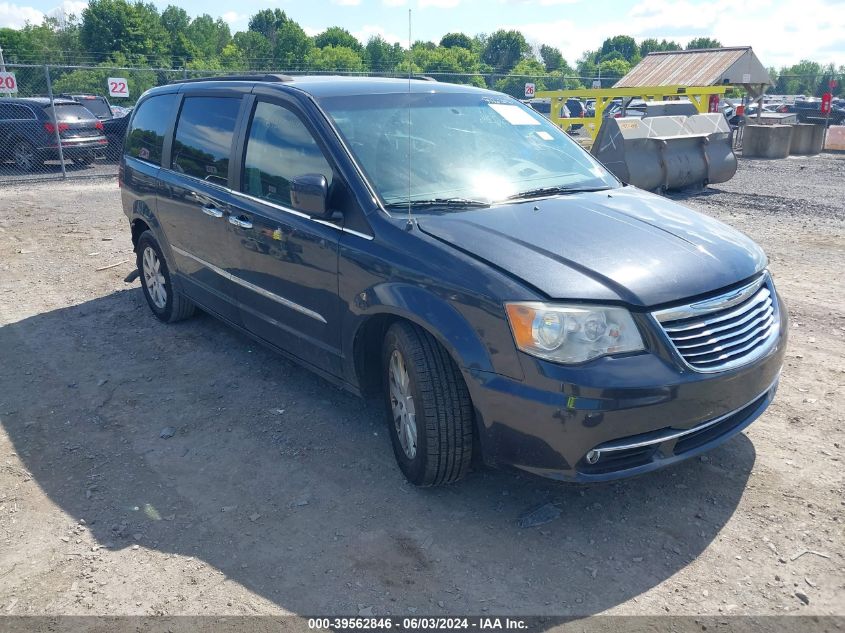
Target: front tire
164	300
429	411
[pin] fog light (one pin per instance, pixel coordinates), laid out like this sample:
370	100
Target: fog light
593	457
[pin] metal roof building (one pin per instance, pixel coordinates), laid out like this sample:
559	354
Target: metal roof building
736	65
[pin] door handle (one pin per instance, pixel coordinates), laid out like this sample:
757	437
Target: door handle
240	221
214	212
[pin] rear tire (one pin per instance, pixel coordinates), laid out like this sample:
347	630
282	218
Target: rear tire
429	410
24	154
168	304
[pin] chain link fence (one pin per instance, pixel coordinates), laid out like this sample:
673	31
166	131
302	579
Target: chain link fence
69	121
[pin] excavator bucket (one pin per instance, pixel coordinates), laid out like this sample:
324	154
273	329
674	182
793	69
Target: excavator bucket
667	152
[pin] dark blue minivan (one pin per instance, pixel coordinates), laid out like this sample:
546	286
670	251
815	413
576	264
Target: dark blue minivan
452	250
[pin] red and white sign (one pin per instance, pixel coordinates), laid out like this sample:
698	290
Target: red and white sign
8	83
713	104
826	99
118	87
529	91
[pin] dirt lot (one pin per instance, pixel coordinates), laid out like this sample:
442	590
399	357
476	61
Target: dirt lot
278	493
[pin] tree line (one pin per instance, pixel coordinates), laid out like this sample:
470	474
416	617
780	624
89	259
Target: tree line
122	33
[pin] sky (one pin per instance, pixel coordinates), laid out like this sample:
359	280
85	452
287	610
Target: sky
782	32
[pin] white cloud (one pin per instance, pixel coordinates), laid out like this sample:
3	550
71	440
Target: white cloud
310	31
16	16
393	3
369	30
778	34
69	7
439	4
542	3
234	19
347	3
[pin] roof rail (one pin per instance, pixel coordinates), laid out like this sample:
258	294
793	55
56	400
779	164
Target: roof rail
265	77
423	78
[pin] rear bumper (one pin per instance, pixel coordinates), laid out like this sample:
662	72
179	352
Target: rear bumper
639	413
74	148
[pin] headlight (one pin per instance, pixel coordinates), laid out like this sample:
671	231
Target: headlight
572	334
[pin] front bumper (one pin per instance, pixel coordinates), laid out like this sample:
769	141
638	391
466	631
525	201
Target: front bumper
639	412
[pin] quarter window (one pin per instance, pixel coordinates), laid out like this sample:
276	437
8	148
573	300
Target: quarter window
204	138
15	112
149	125
279	149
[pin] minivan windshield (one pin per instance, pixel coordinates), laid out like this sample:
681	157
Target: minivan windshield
460	148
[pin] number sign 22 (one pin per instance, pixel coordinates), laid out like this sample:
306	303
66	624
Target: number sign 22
118	87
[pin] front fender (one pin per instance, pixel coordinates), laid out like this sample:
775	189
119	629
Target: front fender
429	311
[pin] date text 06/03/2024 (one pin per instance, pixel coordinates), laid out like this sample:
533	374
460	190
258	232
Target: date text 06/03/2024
421	623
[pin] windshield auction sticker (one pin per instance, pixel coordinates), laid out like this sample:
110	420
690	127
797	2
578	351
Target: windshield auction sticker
514	114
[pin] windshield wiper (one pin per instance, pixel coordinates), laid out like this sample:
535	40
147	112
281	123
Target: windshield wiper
462	203
553	191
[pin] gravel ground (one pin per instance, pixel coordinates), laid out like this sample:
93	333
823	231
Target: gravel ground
52	170
277	493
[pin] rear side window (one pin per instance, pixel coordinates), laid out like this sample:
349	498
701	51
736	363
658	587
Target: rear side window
279	148
15	112
70	112
204	138
149	125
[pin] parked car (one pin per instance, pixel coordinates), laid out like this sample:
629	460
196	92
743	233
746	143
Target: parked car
576	110
28	132
544	107
506	295
635	108
810	111
114	124
120	111
749	112
576	107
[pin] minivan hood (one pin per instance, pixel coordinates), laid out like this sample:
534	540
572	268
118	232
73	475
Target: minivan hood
617	245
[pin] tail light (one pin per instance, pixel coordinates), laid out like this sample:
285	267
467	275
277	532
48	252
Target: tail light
51	129
99	125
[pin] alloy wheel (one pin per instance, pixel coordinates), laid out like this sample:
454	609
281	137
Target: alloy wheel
154	279
402	404
24	156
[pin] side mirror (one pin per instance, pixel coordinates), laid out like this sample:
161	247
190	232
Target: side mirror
308	193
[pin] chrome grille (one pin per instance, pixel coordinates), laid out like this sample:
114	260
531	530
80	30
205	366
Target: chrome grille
726	331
